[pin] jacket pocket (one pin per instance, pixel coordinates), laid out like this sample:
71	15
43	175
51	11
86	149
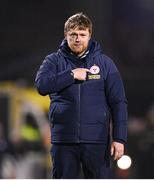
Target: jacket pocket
105	116
63	114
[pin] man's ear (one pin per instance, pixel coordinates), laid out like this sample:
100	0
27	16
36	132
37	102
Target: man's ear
65	34
90	35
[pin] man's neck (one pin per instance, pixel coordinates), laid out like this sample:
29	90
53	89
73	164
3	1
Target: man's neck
80	55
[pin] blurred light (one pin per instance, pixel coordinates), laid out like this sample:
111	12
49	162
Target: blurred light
124	162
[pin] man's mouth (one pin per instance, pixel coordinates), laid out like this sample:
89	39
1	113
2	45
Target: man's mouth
77	45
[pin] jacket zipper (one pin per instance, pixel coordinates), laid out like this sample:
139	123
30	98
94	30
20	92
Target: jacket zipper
79	113
79	120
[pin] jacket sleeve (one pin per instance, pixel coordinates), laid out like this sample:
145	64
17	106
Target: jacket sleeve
118	103
48	80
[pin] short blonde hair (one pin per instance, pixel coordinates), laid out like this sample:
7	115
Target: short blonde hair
78	20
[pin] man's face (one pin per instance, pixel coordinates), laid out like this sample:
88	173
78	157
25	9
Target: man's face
78	40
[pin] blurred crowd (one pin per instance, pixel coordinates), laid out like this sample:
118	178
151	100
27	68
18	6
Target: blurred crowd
25	156
140	147
25	148
24	133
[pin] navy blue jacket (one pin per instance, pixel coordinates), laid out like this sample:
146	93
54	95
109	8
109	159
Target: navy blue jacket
80	111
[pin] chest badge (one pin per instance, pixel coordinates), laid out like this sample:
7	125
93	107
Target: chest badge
94	69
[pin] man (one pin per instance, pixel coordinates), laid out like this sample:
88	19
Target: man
85	89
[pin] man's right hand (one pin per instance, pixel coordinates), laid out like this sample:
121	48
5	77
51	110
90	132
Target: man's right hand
80	73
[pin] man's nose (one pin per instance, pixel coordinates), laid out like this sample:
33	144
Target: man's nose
77	37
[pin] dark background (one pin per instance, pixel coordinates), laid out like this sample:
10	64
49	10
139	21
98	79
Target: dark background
30	29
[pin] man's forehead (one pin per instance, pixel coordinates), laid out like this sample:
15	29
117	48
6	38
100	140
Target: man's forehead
78	29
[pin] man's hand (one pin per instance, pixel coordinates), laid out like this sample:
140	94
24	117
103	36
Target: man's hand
80	73
117	150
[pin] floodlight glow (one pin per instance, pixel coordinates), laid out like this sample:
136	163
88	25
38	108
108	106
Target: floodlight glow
124	162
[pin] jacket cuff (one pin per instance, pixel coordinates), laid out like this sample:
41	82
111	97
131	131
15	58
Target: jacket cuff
119	141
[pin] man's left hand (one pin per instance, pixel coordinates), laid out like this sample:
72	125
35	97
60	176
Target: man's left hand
117	150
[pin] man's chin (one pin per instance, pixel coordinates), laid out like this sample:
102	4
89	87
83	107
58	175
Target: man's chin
79	51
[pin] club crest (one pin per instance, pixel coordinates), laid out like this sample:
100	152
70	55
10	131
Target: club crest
94	69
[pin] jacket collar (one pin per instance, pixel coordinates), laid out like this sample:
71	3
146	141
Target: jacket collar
92	50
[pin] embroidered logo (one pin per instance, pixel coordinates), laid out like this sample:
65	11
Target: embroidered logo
94	69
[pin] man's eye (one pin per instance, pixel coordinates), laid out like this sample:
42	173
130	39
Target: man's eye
73	35
76	35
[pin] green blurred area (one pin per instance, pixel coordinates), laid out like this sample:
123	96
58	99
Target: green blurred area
24	132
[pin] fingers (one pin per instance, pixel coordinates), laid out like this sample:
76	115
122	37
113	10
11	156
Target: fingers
84	73
112	150
117	155
87	70
117	150
80	73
